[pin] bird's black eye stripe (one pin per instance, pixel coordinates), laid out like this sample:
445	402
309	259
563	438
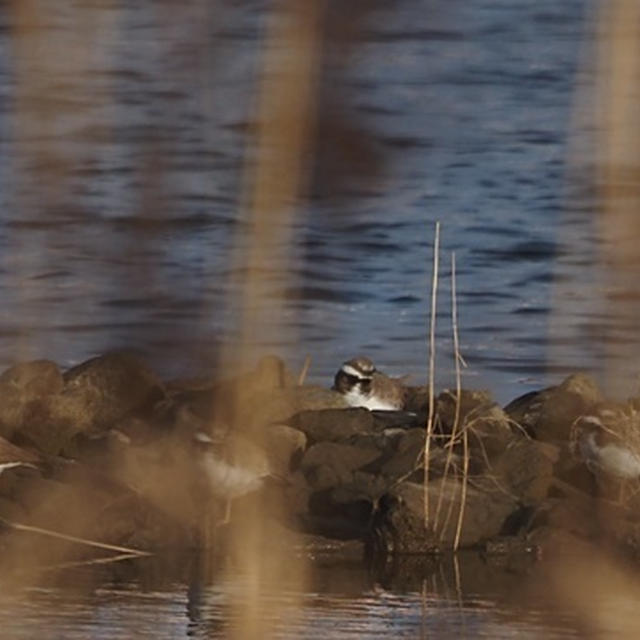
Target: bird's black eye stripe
354	379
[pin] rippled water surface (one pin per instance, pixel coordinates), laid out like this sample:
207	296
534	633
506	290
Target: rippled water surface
468	598
125	129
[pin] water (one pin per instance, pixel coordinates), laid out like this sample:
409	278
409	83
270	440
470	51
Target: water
463	598
122	173
124	129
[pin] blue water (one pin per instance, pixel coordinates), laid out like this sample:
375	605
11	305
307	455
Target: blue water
124	131
466	598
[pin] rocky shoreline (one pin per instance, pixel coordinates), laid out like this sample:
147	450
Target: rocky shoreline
104	451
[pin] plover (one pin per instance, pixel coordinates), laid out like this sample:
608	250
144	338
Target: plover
222	478
608	443
362	385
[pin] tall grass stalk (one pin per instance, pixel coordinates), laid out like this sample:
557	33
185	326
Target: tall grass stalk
432	367
456	417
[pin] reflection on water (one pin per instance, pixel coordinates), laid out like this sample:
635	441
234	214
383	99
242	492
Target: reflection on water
417	597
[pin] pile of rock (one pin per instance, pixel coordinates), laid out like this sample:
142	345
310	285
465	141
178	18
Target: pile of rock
105	451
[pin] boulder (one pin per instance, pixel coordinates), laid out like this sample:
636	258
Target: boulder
333	425
284	447
278	405
487	426
24	388
399	522
331	464
525	469
110	387
235	400
548	414
34	379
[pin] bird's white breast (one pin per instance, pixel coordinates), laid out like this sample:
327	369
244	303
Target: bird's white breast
356	399
228	480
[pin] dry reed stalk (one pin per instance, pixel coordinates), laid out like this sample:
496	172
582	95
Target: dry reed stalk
465	437
305	369
63	536
93	561
456	417
432	358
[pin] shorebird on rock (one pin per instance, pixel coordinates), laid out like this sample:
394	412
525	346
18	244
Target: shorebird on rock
608	442
362	385
225	477
607	446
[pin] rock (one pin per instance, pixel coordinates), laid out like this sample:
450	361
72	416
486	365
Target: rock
399	523
284	447
363	486
333	425
417	399
407	454
24	387
10	454
279	405
525	469
10	510
487	425
575	516
233	400
110	387
34	379
330	464
548	414
51	424
296	494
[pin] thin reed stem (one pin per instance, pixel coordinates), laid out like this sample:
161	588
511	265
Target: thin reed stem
63	536
465	435
432	366
463	497
83	563
456	417
305	369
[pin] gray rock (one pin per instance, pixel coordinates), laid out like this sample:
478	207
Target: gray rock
487	426
400	526
331	464
279	405
525	469
548	414
111	386
283	444
407	454
24	388
34	379
334	425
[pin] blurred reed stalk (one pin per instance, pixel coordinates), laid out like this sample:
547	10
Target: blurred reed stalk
618	165
432	367
273	180
129	551
304	371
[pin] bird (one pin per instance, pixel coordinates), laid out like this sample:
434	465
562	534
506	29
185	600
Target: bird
221	477
362	385
603	448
